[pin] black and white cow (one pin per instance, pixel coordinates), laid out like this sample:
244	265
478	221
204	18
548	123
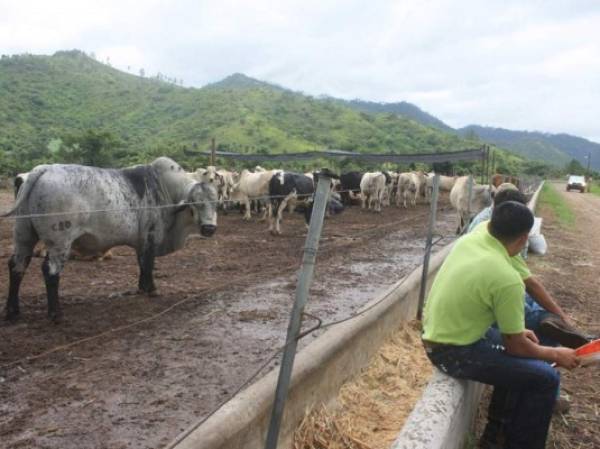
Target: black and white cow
60	204
350	186
284	186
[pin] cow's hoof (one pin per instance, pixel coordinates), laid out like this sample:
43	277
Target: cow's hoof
12	315
132	292
56	317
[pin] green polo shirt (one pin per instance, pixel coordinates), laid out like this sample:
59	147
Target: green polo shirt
517	261
478	284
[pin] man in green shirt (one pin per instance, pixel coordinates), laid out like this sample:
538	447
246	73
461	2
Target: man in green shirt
477	286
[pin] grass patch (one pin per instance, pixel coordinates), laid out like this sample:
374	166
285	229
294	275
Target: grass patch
595	189
551	198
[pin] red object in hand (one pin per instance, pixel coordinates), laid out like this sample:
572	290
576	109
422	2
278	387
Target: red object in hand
589	353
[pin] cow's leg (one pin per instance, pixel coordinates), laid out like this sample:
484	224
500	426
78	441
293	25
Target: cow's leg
17	265
274	202
281	208
146	264
25	239
266	210
362	200
460	224
291	207
247	213
51	268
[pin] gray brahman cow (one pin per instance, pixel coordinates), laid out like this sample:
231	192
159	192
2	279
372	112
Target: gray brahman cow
151	208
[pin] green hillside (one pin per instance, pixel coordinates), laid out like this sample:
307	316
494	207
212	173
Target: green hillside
554	149
402	108
46	99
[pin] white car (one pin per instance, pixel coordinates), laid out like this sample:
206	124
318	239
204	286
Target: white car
576	183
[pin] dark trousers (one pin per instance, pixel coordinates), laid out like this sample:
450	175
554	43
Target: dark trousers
524	389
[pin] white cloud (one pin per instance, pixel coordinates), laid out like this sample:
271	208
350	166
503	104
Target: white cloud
519	65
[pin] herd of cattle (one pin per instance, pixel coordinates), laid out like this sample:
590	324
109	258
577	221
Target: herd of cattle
153	208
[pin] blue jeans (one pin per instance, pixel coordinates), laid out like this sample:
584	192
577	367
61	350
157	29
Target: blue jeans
534	313
524	389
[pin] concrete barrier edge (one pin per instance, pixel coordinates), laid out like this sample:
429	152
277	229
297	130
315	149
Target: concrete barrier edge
320	370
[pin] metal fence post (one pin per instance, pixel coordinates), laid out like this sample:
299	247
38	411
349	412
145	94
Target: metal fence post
432	218
470	190
304	281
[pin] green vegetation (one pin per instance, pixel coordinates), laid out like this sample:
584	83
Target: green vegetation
595	188
550	198
53	107
554	149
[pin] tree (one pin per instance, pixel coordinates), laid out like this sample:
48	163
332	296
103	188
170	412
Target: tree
92	147
575	168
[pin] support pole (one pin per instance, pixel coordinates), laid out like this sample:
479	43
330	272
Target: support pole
432	218
486	163
213	151
304	281
470	196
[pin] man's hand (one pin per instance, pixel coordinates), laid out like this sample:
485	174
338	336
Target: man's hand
567	319
566	358
530	335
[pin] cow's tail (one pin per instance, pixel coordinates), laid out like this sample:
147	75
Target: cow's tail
25	190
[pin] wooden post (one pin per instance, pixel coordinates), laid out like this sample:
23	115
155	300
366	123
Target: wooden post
213	151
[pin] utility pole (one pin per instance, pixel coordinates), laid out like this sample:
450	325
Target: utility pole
589	158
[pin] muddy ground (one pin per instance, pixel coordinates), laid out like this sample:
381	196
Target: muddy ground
128	371
571	272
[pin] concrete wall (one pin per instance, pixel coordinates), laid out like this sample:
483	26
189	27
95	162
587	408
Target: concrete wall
446	411
319	372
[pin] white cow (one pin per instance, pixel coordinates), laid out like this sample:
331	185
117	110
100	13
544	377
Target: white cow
447	182
403	188
253	186
225	186
418	185
372	187
459	198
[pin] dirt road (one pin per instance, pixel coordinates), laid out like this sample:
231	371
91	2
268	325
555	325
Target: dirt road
139	386
571	271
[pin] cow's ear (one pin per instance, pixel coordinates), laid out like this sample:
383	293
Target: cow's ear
181	207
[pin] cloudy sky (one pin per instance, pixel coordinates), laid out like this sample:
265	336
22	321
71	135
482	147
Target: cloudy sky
526	64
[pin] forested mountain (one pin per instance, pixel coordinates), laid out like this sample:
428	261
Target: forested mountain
556	149
46	98
402	108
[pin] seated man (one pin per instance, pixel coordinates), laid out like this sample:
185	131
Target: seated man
477	286
542	313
